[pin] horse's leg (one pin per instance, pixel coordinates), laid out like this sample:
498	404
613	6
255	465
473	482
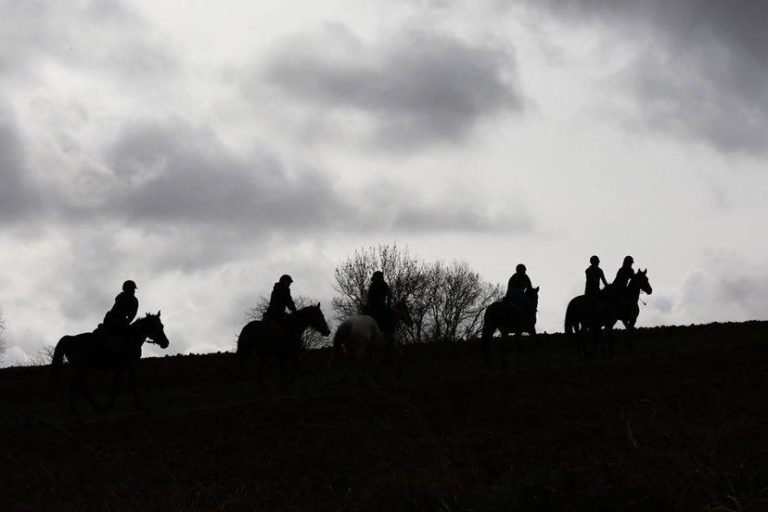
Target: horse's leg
504	345
132	380
80	380
608	345
594	329
629	325
534	343
398	359
117	384
283	375
242	367
260	370
519	348
583	333
296	367
486	339
73	383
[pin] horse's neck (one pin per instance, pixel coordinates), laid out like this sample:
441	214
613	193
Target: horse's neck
299	322
633	291
135	333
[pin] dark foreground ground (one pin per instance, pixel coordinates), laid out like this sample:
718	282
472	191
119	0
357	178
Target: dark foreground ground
680	423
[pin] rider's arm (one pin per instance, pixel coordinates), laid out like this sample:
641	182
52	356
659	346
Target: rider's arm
289	301
131	311
602	278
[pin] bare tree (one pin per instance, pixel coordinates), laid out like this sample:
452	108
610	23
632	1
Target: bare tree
406	275
446	300
310	339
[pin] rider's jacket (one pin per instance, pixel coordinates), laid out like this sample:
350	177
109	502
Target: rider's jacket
518	281
379	296
123	311
279	300
594	276
623	276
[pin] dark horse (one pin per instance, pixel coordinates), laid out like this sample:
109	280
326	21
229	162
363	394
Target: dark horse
507	317
282	341
92	351
585	313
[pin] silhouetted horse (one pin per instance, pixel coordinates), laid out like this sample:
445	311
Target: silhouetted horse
281	341
90	351
507	317
589	313
359	336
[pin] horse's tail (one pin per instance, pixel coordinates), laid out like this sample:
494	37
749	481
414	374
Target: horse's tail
488	325
570	320
244	341
58	358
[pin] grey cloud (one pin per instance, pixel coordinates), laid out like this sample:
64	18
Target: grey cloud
703	68
99	36
415	87
730	289
18	196
175	173
402	210
194	203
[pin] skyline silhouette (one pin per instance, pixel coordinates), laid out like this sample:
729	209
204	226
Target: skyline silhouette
203	153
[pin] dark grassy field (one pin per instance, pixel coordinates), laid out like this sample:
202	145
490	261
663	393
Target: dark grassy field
680	423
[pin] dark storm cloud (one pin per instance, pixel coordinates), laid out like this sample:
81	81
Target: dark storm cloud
18	196
171	172
703	67
416	87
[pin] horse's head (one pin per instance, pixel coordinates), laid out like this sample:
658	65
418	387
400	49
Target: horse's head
315	319
641	281
402	313
152	328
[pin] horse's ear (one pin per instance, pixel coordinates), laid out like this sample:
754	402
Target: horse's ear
158	312
318	305
537	288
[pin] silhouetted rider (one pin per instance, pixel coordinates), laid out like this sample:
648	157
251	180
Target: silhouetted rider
379	300
517	287
123	311
625	274
594	276
279	300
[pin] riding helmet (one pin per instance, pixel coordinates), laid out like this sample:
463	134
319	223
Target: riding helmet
129	285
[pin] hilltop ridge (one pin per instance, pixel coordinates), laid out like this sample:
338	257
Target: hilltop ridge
679	423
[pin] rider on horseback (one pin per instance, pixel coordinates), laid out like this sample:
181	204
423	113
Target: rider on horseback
625	274
518	287
594	276
279	300
122	313
379	300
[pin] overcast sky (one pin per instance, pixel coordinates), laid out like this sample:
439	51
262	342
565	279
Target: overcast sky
204	148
